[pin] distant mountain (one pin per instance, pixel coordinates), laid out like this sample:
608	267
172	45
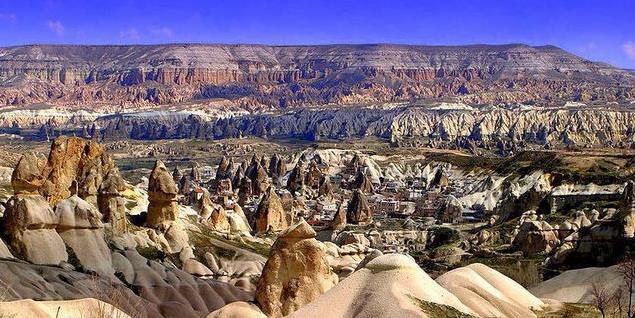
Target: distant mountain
288	76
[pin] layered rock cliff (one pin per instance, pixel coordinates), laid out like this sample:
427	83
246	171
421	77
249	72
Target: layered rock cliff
284	76
489	128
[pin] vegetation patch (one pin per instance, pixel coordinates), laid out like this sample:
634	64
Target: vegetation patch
439	310
570	311
526	272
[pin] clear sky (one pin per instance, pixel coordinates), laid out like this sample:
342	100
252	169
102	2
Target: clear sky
597	30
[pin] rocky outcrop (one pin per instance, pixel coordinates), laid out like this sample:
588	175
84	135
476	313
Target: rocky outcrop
440	179
277	167
628	209
30	224
260	180
245	190
362	182
536	237
295	274
325	189
224	169
27	175
81	229
162	192
523	196
313	175
409	125
79	160
358	211
339	219
111	202
28	221
297	177
177	175
211	214
270	215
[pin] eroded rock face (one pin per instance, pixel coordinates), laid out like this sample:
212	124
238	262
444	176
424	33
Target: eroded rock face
295	274
313	175
628	209
27	175
277	168
162	192
339	220
79	160
270	215
362	182
75	166
29	223
211	214
536	237
358	211
297	177
81	229
273	75
224	169
259	181
514	202
440	179
325	189
111	202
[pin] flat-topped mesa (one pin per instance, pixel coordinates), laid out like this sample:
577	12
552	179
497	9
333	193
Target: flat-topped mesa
274	74
270	215
162	194
296	272
359	211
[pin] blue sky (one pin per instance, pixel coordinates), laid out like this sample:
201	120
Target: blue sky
597	30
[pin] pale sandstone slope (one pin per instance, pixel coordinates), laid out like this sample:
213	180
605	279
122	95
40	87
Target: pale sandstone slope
86	307
387	286
575	286
489	293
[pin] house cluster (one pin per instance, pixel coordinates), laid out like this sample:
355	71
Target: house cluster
314	191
